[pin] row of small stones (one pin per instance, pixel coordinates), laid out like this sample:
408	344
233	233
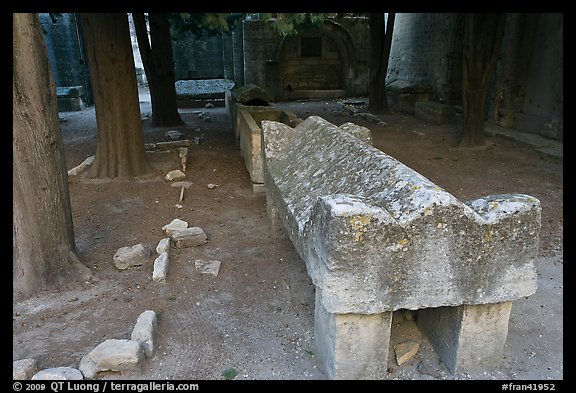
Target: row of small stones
124	356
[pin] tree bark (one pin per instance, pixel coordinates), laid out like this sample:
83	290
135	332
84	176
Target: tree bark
43	242
120	144
482	41
159	67
380	45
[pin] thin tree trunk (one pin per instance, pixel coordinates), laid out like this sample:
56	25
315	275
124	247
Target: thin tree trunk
159	67
380	45
42	230
120	145
482	41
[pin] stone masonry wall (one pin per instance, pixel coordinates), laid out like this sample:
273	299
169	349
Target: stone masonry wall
198	57
63	51
421	50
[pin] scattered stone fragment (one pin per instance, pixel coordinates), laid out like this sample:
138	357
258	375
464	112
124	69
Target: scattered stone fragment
145	330
183	183
176	174
85	164
173	134
59	374
405	351
160	268
425	367
211	186
178	206
130	256
23	369
175	224
210	267
189	237
172	144
352	109
124	356
164	245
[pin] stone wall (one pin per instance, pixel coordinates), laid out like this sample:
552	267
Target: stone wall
63	49
527	91
542	110
421	50
278	64
198	57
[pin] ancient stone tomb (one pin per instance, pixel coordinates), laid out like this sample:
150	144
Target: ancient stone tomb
376	237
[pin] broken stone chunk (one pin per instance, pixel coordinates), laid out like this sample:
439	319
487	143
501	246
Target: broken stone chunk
59	374
210	267
124	356
145	330
174	134
135	255
189	237
176	224
160	268
176	174
164	245
405	351
23	369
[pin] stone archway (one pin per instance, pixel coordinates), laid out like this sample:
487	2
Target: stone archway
317	63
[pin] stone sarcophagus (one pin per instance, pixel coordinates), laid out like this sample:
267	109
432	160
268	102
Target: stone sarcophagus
247	107
376	236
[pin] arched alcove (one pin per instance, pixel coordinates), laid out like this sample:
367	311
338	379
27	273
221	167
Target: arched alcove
316	63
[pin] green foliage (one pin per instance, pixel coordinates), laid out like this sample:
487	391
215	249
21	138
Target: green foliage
292	23
202	24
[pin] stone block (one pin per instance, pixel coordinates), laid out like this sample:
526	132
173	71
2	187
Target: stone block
69	98
123	356
129	256
160	268
59	374
23	369
175	224
251	94
189	237
164	244
352	346
145	331
467	337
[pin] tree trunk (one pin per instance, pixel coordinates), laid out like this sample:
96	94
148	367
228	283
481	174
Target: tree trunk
159	67
43	246
120	144
482	40
380	45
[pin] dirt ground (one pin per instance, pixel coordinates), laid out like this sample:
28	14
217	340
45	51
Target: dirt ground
256	315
